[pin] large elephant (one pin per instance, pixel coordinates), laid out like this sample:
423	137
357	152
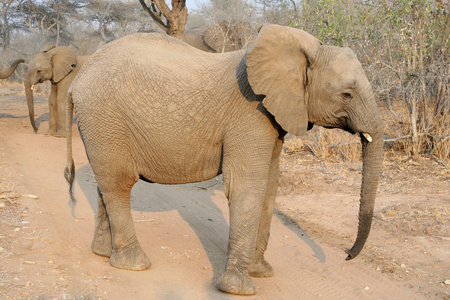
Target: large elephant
8	72
224	36
149	106
59	65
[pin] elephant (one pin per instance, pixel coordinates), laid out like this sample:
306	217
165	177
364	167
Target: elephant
154	108
194	37
224	36
8	72
59	65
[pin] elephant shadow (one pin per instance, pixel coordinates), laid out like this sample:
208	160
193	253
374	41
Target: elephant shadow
194	203
45	117
9	116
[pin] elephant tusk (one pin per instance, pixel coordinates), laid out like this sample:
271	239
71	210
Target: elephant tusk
32	87
367	136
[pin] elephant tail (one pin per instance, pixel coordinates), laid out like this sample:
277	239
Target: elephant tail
69	172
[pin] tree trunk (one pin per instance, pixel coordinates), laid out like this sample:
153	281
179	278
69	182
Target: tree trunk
175	19
413	118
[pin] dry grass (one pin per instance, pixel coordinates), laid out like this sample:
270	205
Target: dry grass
39	89
433	132
7	83
339	146
7	190
8	201
417	219
326	144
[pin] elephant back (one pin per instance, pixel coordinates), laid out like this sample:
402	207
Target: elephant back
152	63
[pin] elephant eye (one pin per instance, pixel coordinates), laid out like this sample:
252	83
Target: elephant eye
38	71
347	95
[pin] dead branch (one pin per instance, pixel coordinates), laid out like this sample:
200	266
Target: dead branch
154	14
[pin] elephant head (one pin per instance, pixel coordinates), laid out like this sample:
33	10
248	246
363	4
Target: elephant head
306	83
8	72
54	63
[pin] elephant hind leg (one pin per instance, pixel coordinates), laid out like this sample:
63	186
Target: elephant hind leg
101	244
126	252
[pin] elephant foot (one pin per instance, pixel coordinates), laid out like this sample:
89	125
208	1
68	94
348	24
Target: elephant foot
61	134
235	282
51	132
101	245
260	269
130	257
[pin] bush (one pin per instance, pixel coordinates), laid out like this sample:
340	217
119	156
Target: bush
404	47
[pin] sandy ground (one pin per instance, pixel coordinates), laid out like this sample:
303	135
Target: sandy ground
45	247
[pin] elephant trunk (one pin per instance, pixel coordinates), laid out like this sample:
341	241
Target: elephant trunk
8	72
29	94
372	153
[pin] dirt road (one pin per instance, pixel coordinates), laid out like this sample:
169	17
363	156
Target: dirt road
45	247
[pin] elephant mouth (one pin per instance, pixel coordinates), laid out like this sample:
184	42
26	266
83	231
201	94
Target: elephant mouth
341	123
349	130
345	125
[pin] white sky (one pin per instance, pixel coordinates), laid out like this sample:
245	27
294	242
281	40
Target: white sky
193	4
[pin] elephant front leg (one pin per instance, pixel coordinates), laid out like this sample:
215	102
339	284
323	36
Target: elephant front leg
53	111
245	209
245	181
246	171
259	267
101	244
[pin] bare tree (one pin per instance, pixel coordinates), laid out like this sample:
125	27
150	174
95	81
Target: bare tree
173	22
8	9
229	25
228	35
282	12
47	20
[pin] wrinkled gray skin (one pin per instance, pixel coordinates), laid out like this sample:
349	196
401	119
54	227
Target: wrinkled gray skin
59	65
153	107
225	36
8	72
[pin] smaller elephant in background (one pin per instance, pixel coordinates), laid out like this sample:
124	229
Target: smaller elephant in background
224	36
60	65
8	72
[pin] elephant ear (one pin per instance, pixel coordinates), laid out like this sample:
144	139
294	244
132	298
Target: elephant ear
276	68
64	60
